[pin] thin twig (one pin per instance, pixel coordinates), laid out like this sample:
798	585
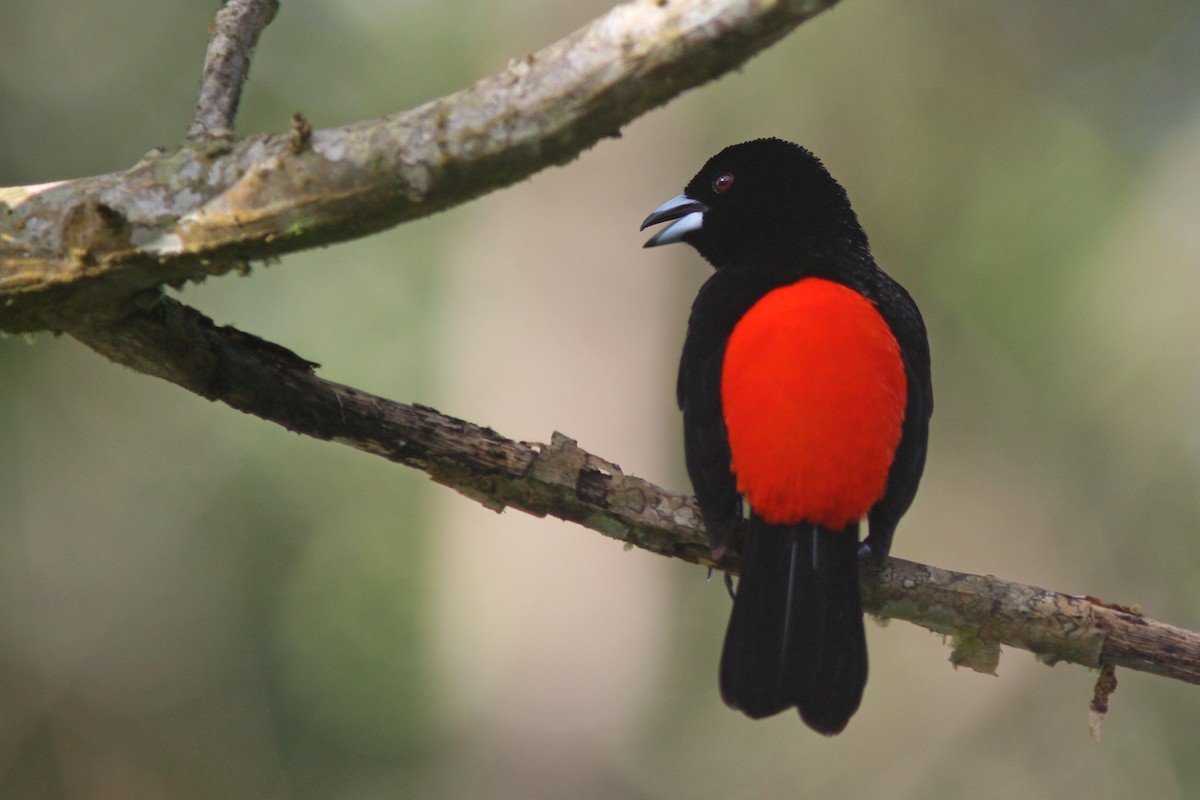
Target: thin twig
235	33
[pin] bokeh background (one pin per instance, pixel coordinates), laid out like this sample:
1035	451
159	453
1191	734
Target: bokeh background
197	604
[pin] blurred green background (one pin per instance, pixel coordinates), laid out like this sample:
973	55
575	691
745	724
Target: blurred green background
197	604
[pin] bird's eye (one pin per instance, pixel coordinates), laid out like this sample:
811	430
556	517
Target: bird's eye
723	182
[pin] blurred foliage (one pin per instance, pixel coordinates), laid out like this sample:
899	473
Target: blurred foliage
196	604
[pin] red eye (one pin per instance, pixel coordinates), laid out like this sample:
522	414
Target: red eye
723	182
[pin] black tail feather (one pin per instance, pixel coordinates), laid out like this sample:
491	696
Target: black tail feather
796	636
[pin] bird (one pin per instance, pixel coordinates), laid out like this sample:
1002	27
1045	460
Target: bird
806	395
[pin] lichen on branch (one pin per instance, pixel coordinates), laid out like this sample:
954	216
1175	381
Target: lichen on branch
214	202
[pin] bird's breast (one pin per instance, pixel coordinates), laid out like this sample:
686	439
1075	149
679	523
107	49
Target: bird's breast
813	394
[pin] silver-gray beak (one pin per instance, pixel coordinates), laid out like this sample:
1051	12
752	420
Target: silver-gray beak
689	216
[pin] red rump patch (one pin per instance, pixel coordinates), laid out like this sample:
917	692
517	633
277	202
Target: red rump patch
813	393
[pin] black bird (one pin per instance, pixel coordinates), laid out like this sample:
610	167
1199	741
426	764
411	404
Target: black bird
806	397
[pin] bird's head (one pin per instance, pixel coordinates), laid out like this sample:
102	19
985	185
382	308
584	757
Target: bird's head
764	197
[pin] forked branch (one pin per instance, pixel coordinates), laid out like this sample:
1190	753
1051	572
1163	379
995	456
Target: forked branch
73	248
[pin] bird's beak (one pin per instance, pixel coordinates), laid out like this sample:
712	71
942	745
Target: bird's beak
688	212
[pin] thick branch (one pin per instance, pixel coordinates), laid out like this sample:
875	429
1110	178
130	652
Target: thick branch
174	342
71	248
235	33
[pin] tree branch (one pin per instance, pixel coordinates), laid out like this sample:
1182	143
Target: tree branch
169	340
235	33
980	613
72	248
87	256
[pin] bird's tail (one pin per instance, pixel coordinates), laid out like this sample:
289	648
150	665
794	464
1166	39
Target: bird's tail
796	636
